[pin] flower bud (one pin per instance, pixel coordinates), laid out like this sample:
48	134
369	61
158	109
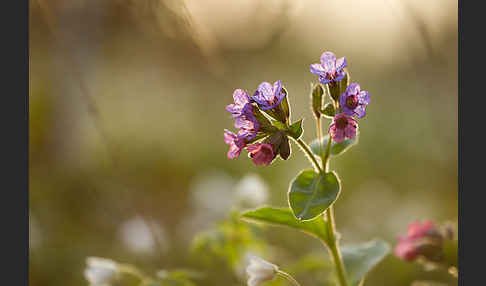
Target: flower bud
100	271
261	154
316	96
334	90
276	140
285	148
260	271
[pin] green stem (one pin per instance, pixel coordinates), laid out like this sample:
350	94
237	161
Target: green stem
319	137
333	242
325	159
309	154
334	248
288	277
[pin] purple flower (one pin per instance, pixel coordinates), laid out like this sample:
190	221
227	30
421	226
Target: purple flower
247	123
236	144
268	96
330	69
241	100
343	126
354	100
262	154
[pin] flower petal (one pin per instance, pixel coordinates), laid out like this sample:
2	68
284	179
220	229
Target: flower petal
240	97
317	69
364	97
266	90
341	63
353	89
328	61
277	87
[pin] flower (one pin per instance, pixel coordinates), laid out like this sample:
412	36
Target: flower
241	100
406	250
268	96
236	143
421	239
354	100
100	271
251	191
261	153
260	271
330	69
417	229
343	126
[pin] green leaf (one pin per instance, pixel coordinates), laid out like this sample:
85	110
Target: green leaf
311	193
359	259
329	110
296	130
284	217
265	124
336	148
279	125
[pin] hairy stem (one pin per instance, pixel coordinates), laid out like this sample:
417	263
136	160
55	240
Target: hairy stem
325	159
334	248
319	137
288	277
333	242
309	154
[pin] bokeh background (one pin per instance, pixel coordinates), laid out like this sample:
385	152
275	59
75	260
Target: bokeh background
127	159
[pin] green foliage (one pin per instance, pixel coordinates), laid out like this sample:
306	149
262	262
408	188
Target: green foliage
295	130
311	193
359	259
177	277
284	217
226	243
336	148
329	110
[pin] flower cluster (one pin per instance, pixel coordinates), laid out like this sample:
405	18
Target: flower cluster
349	100
253	125
422	239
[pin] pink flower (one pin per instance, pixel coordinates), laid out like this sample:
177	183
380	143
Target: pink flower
418	229
343	126
235	142
406	249
262	154
411	245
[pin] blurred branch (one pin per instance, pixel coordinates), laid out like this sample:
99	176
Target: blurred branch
420	26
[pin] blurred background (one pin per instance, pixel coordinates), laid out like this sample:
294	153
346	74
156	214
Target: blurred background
127	159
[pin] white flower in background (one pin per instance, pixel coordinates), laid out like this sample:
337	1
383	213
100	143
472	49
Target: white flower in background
260	271
211	193
251	191
100	271
141	236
